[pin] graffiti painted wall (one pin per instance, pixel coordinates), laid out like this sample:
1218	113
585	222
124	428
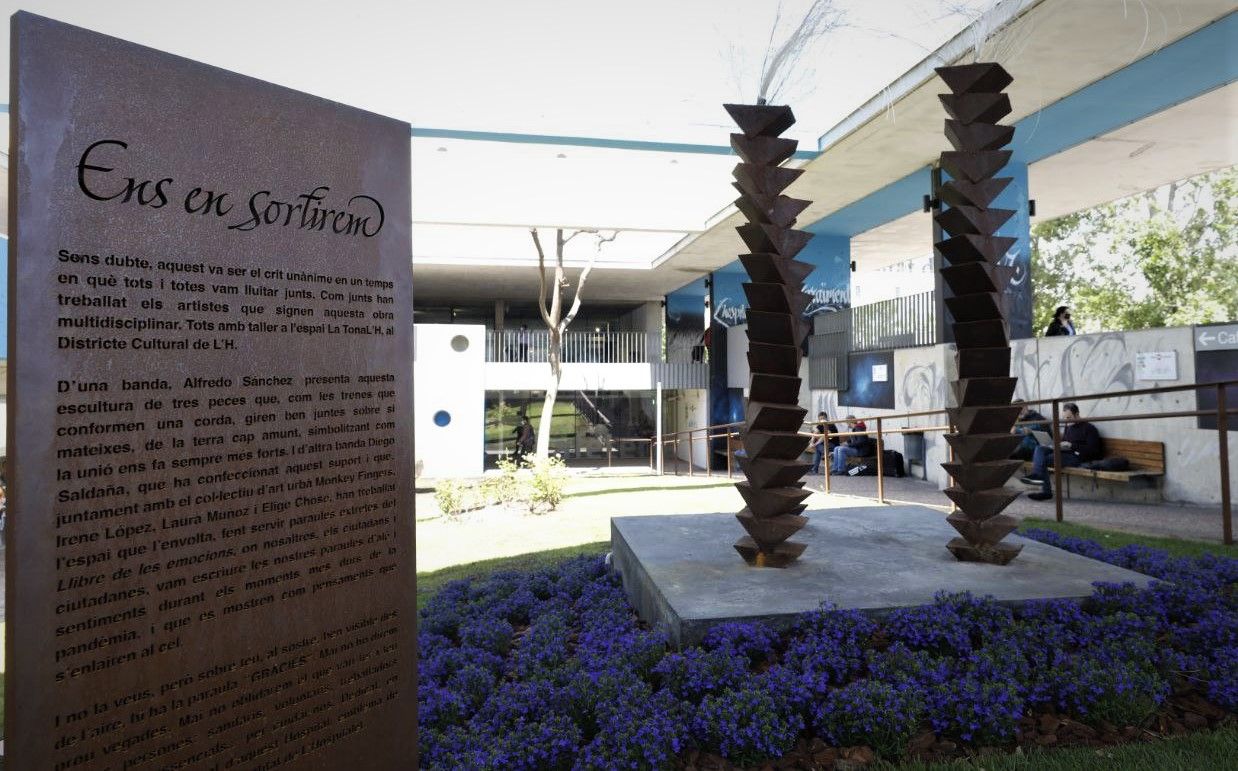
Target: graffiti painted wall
829	284
685	321
1071	366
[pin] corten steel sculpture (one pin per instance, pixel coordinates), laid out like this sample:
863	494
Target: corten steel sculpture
984	415
776	330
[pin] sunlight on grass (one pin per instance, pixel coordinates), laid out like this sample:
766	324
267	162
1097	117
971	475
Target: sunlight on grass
1114	540
429	583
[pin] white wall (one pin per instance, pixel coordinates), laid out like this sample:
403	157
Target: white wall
1056	366
688	409
449	380
532	376
1066	366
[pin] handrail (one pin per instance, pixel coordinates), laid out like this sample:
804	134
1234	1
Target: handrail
1222	412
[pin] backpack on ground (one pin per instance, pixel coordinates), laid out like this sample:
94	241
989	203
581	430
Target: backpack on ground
891	462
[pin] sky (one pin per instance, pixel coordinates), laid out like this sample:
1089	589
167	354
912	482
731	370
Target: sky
640	69
654	70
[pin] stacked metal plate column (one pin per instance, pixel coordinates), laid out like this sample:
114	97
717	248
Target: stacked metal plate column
984	414
776	332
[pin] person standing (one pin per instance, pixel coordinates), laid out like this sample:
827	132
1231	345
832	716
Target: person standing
526	440
1080	444
1061	324
522	342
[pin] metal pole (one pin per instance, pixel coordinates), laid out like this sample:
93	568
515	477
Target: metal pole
658	426
691	455
949	458
881	480
1057	462
728	453
709	454
827	459
1227	521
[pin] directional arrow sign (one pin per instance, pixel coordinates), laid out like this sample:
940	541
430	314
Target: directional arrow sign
1216	338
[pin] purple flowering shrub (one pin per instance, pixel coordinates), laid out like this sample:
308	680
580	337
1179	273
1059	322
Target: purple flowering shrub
757	642
747	725
551	669
695	673
880	714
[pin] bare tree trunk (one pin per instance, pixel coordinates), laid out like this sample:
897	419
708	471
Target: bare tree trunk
551	309
552	393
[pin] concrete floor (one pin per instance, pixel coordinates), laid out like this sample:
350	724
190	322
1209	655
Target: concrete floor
1172	520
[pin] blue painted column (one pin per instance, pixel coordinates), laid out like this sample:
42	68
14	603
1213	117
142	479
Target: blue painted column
684	314
728	307
1018	294
1019	257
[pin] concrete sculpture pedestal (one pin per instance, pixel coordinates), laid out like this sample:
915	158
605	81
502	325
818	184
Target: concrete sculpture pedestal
681	574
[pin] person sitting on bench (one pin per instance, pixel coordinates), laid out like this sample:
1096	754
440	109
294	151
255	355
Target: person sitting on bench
1080	444
1029	444
858	446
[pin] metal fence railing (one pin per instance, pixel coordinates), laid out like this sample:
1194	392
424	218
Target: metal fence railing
681	374
902	322
1222	413
520	345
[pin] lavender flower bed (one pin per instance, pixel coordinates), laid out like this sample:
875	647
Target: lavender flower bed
551	669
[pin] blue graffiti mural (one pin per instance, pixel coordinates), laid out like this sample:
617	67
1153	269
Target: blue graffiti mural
685	321
829	284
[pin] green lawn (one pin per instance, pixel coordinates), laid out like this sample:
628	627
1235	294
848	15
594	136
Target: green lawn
1113	539
501	422
1215	750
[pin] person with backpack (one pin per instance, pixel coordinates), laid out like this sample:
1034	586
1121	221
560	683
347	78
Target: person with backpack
1080	444
526	440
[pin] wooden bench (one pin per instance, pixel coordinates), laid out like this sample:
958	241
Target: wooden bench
1147	466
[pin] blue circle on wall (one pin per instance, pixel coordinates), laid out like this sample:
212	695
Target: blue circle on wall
442	418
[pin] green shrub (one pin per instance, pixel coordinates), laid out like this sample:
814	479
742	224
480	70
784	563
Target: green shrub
503	489
451	495
549	477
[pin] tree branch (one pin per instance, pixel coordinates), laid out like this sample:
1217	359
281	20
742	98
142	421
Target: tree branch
541	268
584	275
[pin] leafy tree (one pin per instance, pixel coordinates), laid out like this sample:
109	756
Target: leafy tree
1166	257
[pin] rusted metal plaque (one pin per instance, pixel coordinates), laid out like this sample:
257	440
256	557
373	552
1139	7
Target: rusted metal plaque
210	543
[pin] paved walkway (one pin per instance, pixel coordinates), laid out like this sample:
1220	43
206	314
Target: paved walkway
1172	520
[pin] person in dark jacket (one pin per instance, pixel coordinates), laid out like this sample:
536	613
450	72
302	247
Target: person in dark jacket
821	441
526	440
1061	324
1035	422
1080	444
858	446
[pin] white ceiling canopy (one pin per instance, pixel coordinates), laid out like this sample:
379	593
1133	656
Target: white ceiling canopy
475	201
